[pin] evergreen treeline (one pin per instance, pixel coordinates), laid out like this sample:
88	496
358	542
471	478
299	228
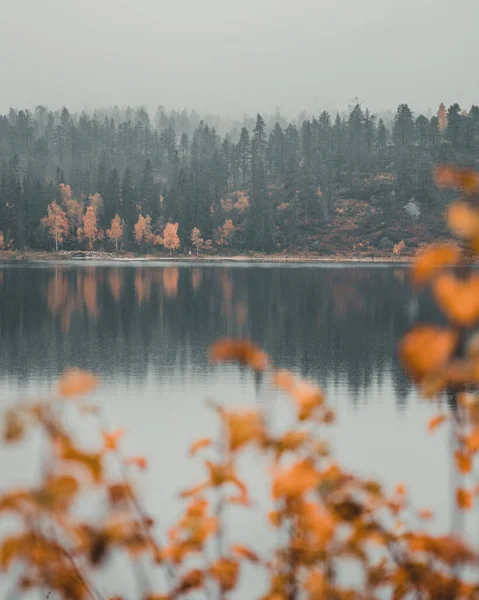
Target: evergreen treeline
278	182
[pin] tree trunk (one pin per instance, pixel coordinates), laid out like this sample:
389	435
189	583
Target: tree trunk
56	243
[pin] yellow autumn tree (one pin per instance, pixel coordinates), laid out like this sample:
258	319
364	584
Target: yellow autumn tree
115	233
142	230
224	233
196	239
56	222
171	241
72	207
89	231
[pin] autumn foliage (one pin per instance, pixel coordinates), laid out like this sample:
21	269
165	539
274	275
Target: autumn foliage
196	239
224	233
89	231
326	517
56	222
115	233
171	241
142	229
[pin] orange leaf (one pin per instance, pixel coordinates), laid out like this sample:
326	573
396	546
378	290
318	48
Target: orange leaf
239	351
308	397
296	480
274	517
434	423
445	176
463	461
59	491
464	499
138	461
431	259
463	220
110	440
472	441
316	585
14	427
284	380
75	382
11	548
119	492
190	581
225	571
426	349
243	427
92	462
245	552
400	489
458	298
425	514
199	445
465	180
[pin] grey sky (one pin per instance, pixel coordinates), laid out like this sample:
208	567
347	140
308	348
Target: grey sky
238	56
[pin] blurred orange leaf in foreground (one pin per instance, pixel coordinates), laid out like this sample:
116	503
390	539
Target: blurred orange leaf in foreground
429	260
137	461
465	180
199	444
295	480
458	298
464	499
75	382
426	349
463	461
239	351
463	220
435	422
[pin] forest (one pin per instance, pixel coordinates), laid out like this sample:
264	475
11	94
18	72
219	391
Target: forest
118	179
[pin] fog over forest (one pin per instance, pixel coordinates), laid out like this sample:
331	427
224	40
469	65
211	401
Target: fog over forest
231	58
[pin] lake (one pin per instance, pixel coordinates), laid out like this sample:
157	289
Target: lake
145	330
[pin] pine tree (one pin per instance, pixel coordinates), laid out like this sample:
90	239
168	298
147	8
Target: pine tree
403	129
245	152
260	214
128	199
149	196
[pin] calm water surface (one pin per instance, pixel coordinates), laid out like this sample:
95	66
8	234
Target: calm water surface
146	329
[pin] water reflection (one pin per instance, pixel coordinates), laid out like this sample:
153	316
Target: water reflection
333	324
145	330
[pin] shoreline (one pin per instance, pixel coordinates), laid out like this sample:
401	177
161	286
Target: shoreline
304	258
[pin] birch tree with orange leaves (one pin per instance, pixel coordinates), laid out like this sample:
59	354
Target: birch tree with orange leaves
72	207
56	222
115	233
171	241
142	230
90	230
224	233
196	239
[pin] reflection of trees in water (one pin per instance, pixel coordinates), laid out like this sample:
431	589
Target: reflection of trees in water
333	324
